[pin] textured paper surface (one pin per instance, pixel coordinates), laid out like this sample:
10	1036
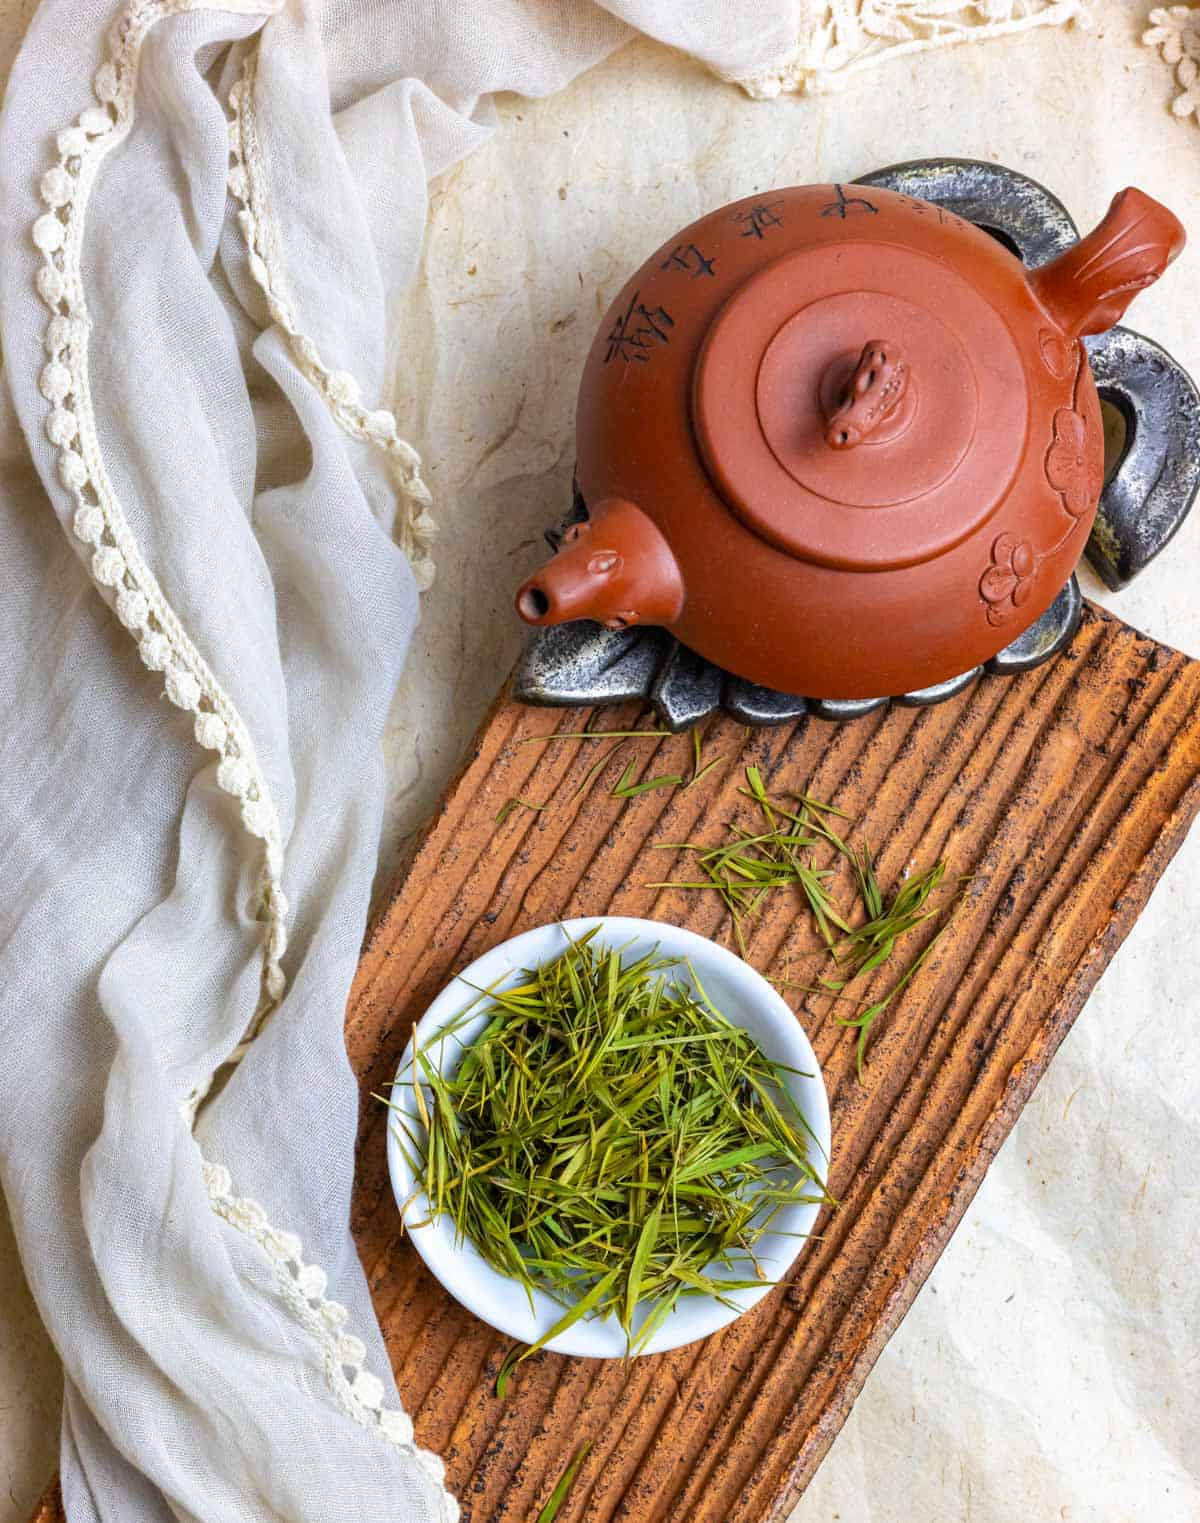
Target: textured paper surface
1051	1367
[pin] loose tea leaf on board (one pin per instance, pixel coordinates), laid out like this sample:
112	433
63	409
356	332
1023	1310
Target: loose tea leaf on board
559	1495
628	789
504	1373
748	866
517	803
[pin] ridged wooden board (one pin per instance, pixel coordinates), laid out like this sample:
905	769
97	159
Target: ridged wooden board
1060	795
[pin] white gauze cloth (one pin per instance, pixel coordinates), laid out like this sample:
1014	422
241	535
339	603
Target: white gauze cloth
214	535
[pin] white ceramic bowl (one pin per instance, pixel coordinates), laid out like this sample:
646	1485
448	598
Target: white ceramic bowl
743	996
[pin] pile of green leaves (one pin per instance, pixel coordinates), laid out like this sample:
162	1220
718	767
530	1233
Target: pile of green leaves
610	1138
749	865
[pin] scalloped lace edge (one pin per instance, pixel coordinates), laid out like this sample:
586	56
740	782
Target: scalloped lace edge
248	184
302	1287
131	589
1174	32
858	34
117	566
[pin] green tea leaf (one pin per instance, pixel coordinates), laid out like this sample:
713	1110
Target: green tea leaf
586	1303
702	773
559	1495
595	770
637	1265
504	1373
626	789
507	808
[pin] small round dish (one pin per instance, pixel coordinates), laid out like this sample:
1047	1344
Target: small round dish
743	996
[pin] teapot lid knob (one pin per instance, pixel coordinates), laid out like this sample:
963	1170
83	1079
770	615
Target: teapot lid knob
871	397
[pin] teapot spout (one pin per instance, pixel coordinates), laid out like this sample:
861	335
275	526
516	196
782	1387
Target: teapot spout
1087	289
615	568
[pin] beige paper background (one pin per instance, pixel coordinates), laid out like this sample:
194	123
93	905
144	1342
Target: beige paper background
1050	1369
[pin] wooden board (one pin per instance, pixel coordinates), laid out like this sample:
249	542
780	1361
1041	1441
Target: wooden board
1061	794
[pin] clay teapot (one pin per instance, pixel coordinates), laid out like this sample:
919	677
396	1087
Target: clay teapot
840	441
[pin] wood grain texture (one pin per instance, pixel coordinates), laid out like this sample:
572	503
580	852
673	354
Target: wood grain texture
1060	795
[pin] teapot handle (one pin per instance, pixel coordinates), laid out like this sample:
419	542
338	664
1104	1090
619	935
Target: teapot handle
1087	289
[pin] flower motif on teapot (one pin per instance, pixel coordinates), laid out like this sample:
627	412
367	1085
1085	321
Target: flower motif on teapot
1008	580
1071	467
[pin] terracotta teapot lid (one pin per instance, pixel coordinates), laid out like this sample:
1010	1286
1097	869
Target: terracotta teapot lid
844	379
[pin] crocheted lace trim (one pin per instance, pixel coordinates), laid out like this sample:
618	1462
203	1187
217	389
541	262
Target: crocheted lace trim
302	1287
124	579
131	589
248	183
1175	31
855	34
